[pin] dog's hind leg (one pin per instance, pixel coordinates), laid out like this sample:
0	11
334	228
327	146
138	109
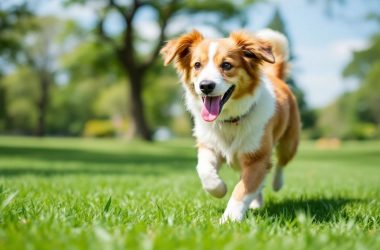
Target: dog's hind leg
209	163
278	178
286	148
285	151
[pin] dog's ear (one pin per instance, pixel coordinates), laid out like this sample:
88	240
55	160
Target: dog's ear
179	49
253	47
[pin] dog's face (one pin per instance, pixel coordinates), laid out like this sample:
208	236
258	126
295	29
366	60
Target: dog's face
216	71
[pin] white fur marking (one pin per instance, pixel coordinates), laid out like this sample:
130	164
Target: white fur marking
208	167
211	52
211	73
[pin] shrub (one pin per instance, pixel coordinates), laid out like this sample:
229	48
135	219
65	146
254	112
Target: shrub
361	131
98	128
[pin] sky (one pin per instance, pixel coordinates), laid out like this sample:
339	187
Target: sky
322	43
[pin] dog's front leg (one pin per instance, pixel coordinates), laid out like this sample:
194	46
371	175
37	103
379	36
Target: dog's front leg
209	163
254	167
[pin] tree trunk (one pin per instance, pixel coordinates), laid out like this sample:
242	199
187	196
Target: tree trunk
3	110
136	73
140	125
42	105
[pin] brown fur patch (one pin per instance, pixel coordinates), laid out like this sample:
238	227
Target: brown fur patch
180	50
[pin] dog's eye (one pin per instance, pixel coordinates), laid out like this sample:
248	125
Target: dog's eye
226	66
197	65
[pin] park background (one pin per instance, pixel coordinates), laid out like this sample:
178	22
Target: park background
76	68
95	143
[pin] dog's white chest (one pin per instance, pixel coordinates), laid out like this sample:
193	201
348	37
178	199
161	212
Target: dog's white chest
230	139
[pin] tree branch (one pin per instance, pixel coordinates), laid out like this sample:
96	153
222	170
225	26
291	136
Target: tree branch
100	31
120	9
157	48
128	49
136	5
165	15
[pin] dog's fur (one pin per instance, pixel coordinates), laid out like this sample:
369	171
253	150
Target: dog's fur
260	115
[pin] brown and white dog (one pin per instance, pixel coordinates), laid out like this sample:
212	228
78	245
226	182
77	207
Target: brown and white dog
242	109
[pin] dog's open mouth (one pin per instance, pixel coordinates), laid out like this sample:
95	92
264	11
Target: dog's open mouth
212	105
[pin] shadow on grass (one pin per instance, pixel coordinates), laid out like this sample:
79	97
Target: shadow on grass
320	209
59	161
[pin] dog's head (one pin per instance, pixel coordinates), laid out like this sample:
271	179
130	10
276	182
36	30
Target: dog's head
216	71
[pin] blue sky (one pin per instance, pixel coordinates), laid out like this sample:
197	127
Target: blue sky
322	44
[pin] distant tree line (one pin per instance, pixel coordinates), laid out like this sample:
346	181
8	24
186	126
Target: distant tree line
58	78
356	114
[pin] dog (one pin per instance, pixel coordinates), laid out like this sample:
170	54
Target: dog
241	107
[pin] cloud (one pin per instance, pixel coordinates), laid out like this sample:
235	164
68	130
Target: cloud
318	70
321	89
343	48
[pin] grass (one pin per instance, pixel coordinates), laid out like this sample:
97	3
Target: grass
109	194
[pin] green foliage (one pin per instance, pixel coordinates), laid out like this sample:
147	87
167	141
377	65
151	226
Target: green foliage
368	98
31	80
11	27
13	23
90	58
98	128
112	101
224	8
56	194
361	131
356	115
363	60
21	98
75	104
159	97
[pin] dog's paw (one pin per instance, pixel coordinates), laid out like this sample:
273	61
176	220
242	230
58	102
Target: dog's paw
258	202
217	189
231	216
234	212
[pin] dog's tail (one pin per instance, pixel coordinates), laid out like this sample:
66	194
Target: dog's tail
280	50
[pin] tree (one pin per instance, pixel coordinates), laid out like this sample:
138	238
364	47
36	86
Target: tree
40	51
39	46
365	66
21	98
92	73
135	64
10	28
307	116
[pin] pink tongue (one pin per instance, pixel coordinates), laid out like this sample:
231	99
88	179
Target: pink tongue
211	108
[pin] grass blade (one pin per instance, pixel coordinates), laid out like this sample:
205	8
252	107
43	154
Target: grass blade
8	199
108	205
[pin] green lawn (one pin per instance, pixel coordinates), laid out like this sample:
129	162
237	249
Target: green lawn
111	194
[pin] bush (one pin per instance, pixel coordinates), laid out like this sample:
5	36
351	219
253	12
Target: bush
98	128
361	131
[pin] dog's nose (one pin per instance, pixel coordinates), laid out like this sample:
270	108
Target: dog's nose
207	86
